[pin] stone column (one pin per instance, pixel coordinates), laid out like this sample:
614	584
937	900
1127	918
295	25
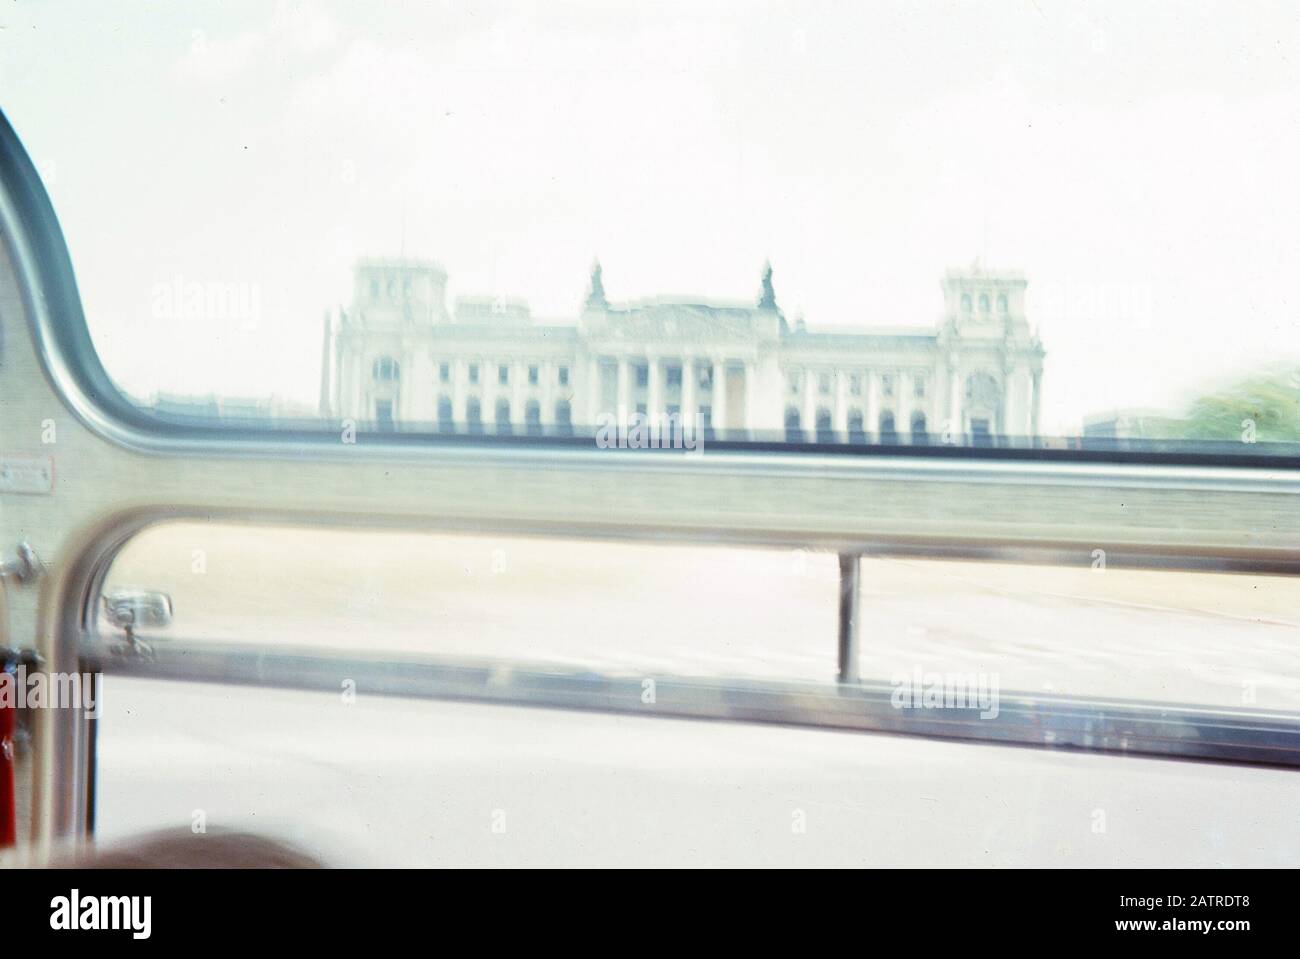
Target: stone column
593	394
624	390
903	408
871	423
546	374
751	396
488	390
689	410
519	393
654	404
1010	413
459	391
1035	401
719	394
1027	399
955	426
809	416
840	422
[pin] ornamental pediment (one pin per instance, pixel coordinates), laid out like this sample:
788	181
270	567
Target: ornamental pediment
688	323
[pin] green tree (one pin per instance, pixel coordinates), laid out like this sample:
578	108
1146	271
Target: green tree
1271	403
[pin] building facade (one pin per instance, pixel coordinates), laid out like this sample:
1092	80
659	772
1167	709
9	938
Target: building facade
398	356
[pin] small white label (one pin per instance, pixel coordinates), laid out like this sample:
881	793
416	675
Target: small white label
27	474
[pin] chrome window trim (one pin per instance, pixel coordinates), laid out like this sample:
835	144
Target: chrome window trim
1054	722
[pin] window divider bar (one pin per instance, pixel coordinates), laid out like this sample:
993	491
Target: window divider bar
1083	723
850	615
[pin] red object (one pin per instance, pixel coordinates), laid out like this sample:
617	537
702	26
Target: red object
8	812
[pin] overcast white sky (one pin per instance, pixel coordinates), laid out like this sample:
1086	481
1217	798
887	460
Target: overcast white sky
1137	160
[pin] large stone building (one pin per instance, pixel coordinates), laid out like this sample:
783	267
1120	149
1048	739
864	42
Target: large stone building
398	356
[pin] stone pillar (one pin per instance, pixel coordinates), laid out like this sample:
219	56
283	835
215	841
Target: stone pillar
459	391
871	422
751	396
593	394
808	419
623	412
488	391
840	422
1027	401
689	406
546	374
654	404
1010	408
719	394
955	426
519	392
1035	401
903	408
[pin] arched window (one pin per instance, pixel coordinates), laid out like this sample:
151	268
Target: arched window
386	370
984	302
825	433
919	434
563	417
793	433
445	415
533	417
887	433
503	416
1002	303
474	415
857	433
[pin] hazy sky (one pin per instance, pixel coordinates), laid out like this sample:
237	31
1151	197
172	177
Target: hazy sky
1139	161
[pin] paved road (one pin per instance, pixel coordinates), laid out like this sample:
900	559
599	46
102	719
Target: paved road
391	782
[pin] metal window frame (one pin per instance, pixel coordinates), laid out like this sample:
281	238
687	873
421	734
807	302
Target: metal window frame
989	504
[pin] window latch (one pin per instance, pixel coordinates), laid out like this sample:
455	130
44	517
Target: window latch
25	568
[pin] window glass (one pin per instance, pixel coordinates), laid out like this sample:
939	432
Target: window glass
1206	639
1036	223
1087	630
503	598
